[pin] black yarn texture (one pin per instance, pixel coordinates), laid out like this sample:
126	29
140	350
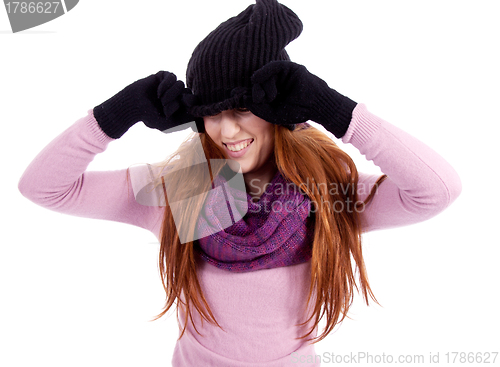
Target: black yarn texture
221	66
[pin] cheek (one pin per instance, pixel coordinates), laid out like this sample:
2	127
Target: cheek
266	149
211	130
270	141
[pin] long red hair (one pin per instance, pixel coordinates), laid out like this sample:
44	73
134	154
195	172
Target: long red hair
303	155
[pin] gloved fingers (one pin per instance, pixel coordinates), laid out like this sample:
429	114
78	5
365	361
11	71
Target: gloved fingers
168	91
269	70
271	89
188	99
274	78
166	81
171	107
265	92
258	93
165	78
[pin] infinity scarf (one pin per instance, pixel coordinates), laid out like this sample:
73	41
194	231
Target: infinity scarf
276	231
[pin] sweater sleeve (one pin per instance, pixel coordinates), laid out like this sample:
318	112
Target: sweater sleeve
420	183
58	179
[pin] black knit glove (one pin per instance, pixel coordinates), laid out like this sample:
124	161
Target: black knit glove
158	100
285	93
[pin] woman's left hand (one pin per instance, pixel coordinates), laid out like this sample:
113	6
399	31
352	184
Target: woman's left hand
284	93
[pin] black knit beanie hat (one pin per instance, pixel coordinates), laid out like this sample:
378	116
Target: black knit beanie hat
222	65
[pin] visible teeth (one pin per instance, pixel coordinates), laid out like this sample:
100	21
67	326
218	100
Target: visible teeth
238	147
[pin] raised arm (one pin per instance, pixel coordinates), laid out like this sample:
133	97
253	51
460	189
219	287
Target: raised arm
420	183
58	178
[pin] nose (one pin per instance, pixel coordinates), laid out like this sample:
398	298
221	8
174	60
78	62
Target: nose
229	124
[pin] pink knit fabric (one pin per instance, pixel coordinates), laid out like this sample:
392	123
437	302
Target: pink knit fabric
258	310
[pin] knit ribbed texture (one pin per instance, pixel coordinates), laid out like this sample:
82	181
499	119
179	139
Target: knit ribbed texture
284	92
363	127
96	130
117	115
159	100
334	111
276	231
221	66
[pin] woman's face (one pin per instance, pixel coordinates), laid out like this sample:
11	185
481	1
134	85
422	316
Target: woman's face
247	139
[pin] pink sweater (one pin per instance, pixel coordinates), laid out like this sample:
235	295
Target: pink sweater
258	310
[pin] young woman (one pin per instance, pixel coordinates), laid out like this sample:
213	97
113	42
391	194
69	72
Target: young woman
250	290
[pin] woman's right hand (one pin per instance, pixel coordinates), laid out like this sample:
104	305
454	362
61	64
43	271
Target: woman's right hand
158	100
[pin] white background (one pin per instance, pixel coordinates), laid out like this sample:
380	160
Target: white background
80	292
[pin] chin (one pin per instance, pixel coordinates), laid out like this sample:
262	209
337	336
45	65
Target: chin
235	166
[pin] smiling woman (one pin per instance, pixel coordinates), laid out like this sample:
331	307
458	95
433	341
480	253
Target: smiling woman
263	283
247	140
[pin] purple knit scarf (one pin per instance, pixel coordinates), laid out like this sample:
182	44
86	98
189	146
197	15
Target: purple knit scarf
276	231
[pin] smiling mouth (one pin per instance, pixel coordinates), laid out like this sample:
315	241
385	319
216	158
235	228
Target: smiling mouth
238	147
